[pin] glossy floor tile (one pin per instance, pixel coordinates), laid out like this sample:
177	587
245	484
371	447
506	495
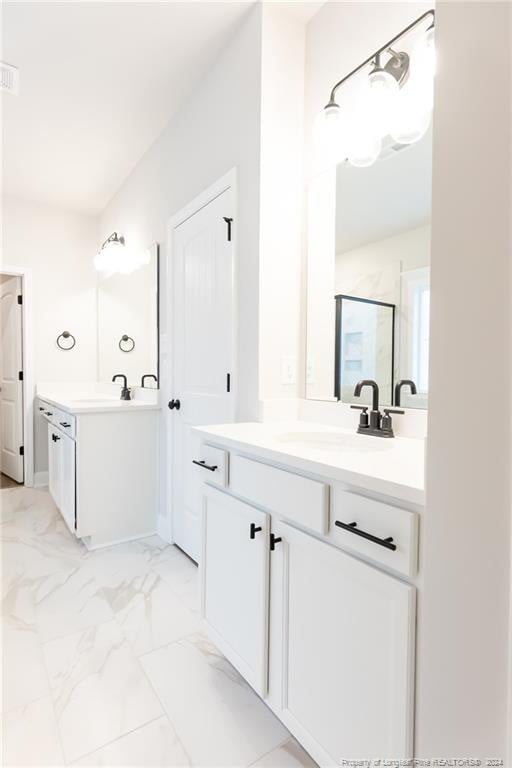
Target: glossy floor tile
104	663
216	714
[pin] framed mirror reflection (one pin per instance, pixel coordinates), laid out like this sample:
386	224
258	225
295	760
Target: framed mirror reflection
368	276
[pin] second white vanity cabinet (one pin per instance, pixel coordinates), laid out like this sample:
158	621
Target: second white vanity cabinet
318	619
103	467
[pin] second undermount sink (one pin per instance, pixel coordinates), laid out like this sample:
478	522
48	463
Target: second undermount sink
337	441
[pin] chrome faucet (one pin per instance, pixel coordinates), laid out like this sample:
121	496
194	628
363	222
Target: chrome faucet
376	423
125	391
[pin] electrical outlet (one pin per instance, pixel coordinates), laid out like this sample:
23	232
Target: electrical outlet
288	370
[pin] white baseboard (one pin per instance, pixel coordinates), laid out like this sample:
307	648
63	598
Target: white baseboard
40	479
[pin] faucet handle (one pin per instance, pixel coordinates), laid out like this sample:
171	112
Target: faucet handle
363	419
387	424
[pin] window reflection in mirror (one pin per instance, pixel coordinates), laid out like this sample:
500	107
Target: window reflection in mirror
369	239
128	306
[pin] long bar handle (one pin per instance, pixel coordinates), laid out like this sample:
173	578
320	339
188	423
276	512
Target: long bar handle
204	465
352	527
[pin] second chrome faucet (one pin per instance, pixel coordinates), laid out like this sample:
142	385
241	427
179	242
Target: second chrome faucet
375	423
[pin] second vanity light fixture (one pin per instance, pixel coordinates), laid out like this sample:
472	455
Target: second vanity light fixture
396	101
114	256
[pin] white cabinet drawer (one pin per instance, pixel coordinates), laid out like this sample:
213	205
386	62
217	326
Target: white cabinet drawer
299	499
383	533
212	465
65	421
61	419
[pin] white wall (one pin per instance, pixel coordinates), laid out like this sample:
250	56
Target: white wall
374	269
216	130
57	246
281	202
462	675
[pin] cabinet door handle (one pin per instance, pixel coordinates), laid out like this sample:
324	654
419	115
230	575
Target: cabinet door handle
55	438
204	465
273	541
172	404
352	527
48	413
254	530
64	424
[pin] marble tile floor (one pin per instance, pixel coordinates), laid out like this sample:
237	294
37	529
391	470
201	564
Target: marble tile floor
103	660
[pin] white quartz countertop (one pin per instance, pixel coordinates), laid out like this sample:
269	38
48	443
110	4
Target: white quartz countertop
391	466
96	404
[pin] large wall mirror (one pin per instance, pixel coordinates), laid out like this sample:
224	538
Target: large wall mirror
369	276
128	323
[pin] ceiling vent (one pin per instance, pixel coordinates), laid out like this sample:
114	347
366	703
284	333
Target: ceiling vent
9	78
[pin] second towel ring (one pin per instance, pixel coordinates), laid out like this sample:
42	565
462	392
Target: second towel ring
124	340
66	335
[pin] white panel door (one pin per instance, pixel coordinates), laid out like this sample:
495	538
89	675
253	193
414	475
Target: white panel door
66	447
235	583
202	353
346	633
11	388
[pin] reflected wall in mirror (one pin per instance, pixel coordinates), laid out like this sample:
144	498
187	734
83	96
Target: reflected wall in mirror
369	240
128	323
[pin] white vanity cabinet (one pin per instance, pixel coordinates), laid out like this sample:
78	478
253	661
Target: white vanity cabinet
103	469
320	620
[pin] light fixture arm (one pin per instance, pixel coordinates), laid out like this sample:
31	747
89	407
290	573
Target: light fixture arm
375	57
113	238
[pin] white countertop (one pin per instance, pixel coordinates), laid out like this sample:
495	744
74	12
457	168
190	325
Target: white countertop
96	404
391	466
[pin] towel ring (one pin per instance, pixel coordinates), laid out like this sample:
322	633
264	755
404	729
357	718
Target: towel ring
125	338
66	335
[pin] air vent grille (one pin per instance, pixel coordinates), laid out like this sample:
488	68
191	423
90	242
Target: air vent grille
9	78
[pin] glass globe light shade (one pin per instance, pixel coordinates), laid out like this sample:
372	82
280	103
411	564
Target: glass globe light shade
411	117
329	136
364	146
109	257
423	60
380	98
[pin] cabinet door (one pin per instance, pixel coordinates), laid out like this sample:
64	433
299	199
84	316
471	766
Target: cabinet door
346	646
54	469
235	583
67	489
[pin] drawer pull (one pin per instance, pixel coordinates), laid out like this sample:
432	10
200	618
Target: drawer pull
352	527
55	438
204	465
48	413
254	530
273	541
64	424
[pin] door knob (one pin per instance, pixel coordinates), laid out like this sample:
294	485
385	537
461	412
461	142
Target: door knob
174	404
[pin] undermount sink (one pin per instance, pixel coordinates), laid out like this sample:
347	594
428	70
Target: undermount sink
335	441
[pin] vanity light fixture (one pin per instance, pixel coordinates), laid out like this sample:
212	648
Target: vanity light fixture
114	256
110	255
397	100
